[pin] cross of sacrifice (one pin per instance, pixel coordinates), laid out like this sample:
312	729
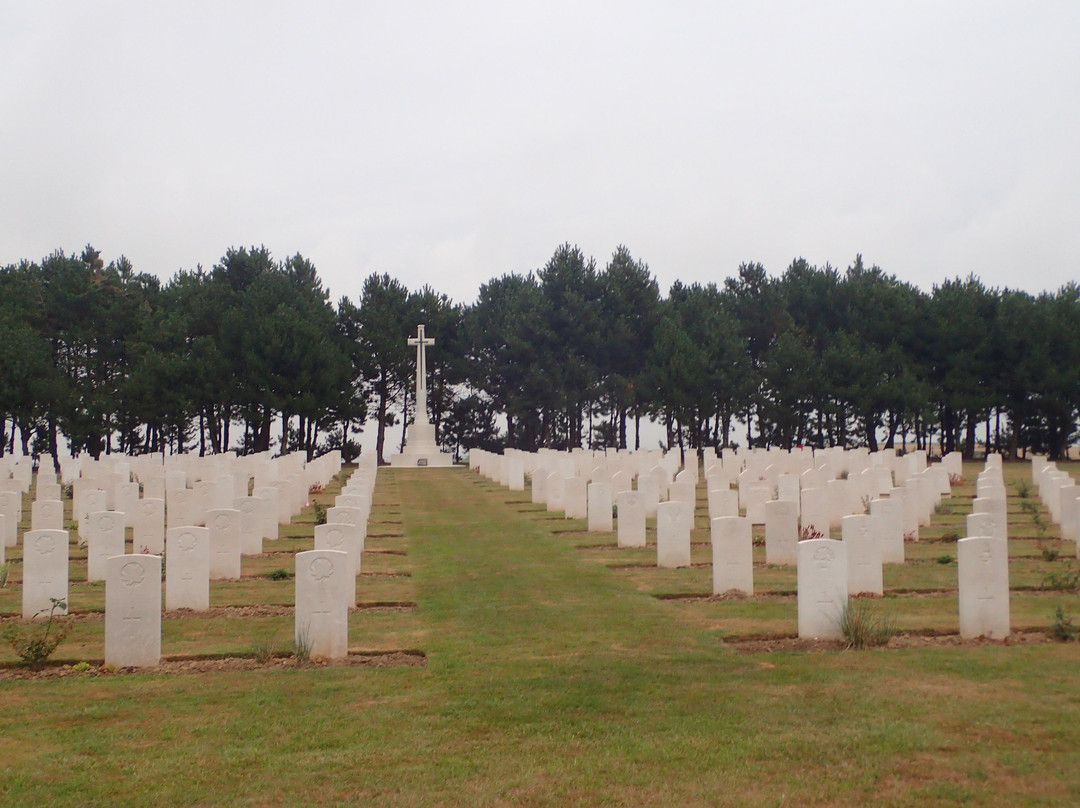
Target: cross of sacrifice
421	342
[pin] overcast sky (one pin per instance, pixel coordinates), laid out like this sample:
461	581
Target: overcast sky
447	143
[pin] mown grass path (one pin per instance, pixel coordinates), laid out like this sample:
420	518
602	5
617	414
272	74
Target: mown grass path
551	681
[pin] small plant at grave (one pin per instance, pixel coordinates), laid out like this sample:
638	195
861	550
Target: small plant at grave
944	559
844	475
302	646
82	667
862	628
280	574
1065	581
315	488
1063	629
35	643
1032	508
949	537
319	510
1023	489
810	532
264	651
910	536
4	569
68	491
941	509
956	479
1050	553
866	504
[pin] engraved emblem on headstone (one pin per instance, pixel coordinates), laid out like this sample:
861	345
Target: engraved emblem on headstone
132	574
321	569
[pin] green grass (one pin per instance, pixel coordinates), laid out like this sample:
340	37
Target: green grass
552	679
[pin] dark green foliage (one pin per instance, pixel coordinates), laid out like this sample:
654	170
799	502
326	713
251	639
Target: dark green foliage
251	356
34	643
1063	629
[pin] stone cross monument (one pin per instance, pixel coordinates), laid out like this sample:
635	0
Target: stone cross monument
420	446
421	342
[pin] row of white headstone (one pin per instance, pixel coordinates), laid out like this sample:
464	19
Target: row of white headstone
197	554
829	571
221	534
1060	494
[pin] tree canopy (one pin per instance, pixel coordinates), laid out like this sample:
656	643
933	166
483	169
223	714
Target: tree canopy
251	355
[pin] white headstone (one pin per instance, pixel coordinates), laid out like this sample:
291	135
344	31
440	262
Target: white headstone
863	556
323	589
251	524
538	483
599	495
781	532
822	588
631	511
556	491
887	515
984	524
674	521
148	531
104	539
187	568
723	502
45	571
11	505
983	563
133	611
180	508
815	513
342	537
127	502
515	473
754	496
650	494
732	555
576	498
47	514
223	525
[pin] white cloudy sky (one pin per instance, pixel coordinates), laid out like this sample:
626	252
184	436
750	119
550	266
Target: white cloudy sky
449	143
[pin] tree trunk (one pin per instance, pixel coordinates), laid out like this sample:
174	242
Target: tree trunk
380	430
404	419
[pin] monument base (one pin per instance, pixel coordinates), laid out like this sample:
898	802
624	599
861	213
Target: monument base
421	451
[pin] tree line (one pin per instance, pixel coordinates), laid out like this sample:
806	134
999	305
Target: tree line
252	355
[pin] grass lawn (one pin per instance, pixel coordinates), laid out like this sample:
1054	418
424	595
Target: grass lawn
555	676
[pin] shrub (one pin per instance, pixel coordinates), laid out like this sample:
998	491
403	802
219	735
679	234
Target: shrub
319	510
810	532
280	574
862	628
1023	489
302	646
950	536
4	568
945	559
35	643
1063	629
1066	581
264	651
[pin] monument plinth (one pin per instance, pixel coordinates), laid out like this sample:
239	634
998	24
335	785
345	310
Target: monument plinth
421	450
